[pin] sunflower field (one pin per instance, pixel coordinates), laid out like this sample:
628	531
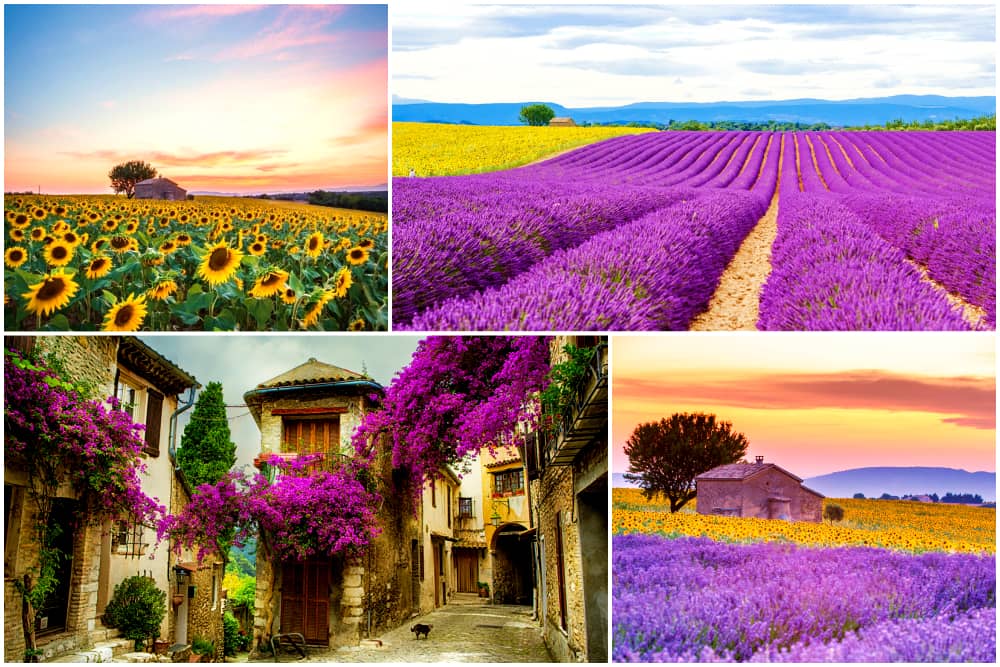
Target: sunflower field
215	264
436	149
890	524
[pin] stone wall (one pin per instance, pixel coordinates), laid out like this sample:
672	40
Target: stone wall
88	358
205	608
271	424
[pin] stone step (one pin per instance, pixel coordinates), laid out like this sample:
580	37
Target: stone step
104	651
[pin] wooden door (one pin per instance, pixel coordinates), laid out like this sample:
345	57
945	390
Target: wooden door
305	600
437	573
467	569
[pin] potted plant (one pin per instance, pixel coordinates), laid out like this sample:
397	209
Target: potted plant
202	650
484	589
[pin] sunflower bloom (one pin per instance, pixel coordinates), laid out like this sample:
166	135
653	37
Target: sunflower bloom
312	315
269	284
126	315
289	296
357	255
220	264
257	248
162	290
51	294
15	256
19	220
356	325
342	283
58	253
314	244
98	267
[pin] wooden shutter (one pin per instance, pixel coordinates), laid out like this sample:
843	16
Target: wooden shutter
312	436
154	415
305	600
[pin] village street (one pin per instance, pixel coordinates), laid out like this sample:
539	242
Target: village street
465	630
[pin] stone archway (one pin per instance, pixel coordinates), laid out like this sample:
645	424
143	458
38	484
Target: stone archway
512	578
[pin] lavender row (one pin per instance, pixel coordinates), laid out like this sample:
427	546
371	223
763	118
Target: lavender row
831	272
653	274
692	599
461	249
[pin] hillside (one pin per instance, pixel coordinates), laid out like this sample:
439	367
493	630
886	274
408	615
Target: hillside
834	112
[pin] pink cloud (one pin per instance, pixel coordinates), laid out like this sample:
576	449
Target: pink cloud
294	27
168	13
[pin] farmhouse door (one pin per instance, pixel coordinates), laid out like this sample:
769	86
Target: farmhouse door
305	600
467	567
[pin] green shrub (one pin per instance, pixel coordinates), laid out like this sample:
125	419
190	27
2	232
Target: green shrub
137	608
202	646
833	512
230	634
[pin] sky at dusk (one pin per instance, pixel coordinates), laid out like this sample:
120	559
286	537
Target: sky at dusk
594	55
816	403
221	98
224	358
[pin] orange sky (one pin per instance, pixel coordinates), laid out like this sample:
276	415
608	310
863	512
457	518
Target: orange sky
816	403
232	98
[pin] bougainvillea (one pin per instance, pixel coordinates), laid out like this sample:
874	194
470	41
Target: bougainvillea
457	395
303	512
57	437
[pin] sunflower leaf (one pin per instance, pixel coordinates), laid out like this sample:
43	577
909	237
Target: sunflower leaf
29	278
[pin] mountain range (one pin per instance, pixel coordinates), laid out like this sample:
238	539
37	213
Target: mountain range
898	481
861	111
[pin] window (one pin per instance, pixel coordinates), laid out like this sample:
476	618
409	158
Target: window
128	399
127	537
311	436
465	508
433	493
449	506
508	482
154	415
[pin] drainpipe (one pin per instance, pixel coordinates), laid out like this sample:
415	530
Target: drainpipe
186	405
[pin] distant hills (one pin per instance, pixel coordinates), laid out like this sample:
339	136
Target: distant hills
862	111
349	188
873	482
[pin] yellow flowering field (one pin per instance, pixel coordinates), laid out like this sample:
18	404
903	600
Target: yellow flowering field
903	525
108	263
437	149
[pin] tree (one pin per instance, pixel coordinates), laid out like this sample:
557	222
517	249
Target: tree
666	456
207	451
137	609
126	175
833	512
859	496
536	114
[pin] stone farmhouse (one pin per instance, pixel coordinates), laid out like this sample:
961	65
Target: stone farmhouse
159	188
314	408
152	391
758	489
560	121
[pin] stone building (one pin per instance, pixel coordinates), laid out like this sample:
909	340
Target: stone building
507	528
314	408
560	121
470	556
760	490
434	577
97	557
159	188
567	474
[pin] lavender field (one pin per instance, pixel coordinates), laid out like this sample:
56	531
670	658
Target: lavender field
698	600
875	231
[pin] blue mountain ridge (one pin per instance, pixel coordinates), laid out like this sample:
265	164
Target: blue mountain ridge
897	481
859	111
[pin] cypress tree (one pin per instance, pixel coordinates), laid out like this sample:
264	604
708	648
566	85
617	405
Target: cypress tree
207	451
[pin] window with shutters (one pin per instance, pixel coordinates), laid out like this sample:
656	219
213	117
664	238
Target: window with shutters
465	508
311	435
508	482
154	417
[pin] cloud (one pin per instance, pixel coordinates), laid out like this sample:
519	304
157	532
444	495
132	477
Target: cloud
295	27
962	401
162	158
800	67
190	12
654	65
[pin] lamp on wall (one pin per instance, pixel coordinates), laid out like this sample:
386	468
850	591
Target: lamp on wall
495	517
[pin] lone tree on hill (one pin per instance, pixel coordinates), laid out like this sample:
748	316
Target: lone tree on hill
126	175
207	451
665	456
536	114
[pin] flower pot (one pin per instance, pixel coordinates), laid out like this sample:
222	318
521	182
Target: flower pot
176	600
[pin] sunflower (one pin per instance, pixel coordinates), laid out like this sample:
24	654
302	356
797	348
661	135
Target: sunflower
19	220
58	253
71	238
168	247
356	325
220	264
122	244
17	234
109	225
37	233
289	296
314	244
59	210
126	315
60	227
367	244
357	255
183	239
312	315
257	248
162	290
269	284
15	256
100	244
131	226
39	213
98	267
342	283
54	292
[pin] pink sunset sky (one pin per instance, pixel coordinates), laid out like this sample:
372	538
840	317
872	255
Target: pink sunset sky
225	98
817	403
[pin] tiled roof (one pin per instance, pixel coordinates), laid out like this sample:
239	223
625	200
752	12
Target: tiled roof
311	372
150	181
739	471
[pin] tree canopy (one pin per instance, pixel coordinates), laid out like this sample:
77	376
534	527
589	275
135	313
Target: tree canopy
207	451
125	175
536	114
666	456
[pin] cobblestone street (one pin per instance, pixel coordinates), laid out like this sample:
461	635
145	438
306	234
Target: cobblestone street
465	630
